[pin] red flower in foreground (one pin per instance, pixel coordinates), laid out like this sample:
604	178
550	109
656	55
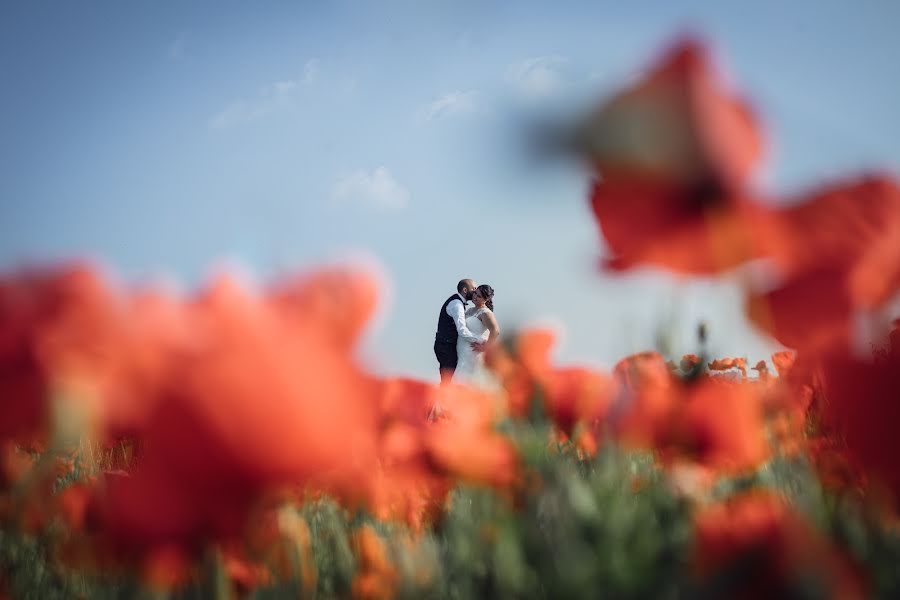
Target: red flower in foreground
53	323
768	550
466	445
263	395
849	228
836	253
861	405
675	154
67	335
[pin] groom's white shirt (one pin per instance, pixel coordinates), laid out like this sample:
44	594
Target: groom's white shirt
457	311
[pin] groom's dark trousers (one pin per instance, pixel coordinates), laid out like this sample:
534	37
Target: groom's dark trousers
445	341
447	359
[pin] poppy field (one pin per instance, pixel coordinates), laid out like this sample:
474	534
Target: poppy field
227	443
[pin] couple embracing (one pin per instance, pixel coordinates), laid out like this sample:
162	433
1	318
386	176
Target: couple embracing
466	327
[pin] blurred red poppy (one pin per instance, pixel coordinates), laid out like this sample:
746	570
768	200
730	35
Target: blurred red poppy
768	550
676	153
860	405
836	252
569	394
262	395
466	444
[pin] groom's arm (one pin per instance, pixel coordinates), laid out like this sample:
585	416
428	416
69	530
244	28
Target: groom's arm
457	312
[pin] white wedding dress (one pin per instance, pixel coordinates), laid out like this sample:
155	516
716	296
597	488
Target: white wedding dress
470	367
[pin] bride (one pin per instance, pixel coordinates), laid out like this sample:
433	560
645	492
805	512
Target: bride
481	322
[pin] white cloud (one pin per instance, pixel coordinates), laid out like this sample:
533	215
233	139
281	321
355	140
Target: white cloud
377	189
537	77
269	99
454	103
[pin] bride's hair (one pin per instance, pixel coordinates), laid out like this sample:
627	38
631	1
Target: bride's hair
487	292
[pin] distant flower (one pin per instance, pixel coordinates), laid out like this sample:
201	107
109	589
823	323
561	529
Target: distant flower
569	394
689	362
725	364
783	361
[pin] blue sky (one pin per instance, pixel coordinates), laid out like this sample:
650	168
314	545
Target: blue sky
165	138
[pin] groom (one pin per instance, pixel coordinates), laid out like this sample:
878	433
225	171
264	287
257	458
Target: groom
451	326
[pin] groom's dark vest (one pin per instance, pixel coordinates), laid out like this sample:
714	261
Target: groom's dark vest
446	328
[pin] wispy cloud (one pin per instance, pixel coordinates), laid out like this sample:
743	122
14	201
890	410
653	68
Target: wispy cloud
537	77
269	99
310	71
377	189
177	47
452	104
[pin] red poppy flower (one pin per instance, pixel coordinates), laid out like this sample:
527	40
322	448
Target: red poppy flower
53	321
860	404
466	445
717	424
726	364
377	578
675	154
643	398
836	252
569	395
768	550
849	228
263	395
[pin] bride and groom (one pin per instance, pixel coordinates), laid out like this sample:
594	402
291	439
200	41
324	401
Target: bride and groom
466	327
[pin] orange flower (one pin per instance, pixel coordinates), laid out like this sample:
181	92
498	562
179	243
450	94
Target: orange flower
717	424
407	484
762	369
570	395
576	395
377	577
726	364
783	361
769	550
643	399
689	362
466	445
280	539
166	569
244	574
